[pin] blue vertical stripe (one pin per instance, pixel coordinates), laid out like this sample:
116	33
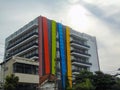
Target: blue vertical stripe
62	55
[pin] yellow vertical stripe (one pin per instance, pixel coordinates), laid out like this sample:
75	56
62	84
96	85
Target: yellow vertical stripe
69	66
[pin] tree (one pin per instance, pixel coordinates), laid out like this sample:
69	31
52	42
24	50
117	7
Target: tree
103	81
86	85
116	86
83	81
83	75
86	80
11	82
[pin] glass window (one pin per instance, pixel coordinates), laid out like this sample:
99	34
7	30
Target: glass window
25	68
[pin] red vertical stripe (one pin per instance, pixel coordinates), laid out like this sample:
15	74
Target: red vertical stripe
46	46
40	45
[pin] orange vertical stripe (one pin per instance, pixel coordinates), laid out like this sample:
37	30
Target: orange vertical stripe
46	46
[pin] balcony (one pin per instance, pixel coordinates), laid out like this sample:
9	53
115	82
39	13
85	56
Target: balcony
75	70
79	43
22	39
83	62
33	55
22	30
78	36
77	51
35	58
79	46
22	49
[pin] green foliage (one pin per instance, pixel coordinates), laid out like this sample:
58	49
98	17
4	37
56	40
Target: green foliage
68	84
86	85
117	85
83	81
11	82
83	75
86	80
103	81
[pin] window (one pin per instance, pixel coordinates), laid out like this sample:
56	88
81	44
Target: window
25	68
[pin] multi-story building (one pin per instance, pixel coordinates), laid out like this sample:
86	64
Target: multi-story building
25	69
58	48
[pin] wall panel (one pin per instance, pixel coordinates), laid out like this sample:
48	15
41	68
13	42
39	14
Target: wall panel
62	55
69	67
46	46
53	47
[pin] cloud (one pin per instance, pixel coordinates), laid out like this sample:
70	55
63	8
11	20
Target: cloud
102	17
108	11
15	14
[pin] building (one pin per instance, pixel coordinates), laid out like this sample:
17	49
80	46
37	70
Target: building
48	82
25	69
59	49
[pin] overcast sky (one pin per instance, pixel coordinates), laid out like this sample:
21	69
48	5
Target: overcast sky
99	18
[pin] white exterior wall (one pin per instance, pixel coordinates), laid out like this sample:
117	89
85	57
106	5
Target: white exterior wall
91	41
94	59
27	78
23	78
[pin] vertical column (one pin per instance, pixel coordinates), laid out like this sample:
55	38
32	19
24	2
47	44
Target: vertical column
69	68
62	55
40	46
50	41
53	46
46	46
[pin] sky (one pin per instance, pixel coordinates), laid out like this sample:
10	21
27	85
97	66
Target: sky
99	18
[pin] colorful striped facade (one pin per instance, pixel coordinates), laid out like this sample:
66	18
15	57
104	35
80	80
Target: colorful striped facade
48	47
60	50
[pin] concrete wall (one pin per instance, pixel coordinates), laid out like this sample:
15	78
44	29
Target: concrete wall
7	69
27	78
91	41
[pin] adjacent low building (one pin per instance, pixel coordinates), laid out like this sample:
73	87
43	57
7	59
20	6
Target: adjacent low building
25	69
58	49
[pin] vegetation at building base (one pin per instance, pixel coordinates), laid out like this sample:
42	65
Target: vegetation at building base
86	80
11	82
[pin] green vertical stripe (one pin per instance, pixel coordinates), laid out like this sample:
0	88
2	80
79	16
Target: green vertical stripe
53	46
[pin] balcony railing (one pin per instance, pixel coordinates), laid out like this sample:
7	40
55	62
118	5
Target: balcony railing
32	55
83	62
22	49
22	39
74	70
74	45
79	43
79	52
